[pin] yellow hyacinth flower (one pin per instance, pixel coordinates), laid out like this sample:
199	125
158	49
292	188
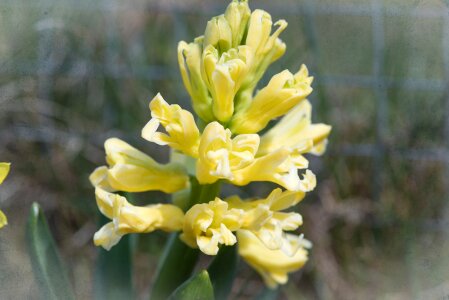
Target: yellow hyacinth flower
283	92
208	225
220	155
224	74
131	170
182	132
4	170
277	167
295	131
272	265
221	70
189	60
127	218
266	221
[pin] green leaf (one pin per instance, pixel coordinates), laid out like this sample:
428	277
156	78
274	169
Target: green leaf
176	265
198	287
113	270
47	265
222	271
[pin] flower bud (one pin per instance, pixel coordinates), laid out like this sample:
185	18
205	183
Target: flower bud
223	76
237	14
266	47
189	60
218	34
259	30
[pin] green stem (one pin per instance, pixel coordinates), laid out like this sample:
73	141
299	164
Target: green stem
208	192
176	265
178	260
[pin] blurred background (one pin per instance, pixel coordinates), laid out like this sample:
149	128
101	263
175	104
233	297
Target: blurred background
73	73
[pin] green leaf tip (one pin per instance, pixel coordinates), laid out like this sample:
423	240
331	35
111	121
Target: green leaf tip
47	266
198	287
35	209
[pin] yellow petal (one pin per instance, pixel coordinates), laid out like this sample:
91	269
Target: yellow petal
279	200
208	244
319	148
272	265
189	60
107	236
218	34
237	14
223	74
282	93
3	219
294	130
308	182
270	167
182	132
224	90
263	218
267	48
99	178
106	202
259	29
220	156
278	50
127	218
133	171
4	170
208	225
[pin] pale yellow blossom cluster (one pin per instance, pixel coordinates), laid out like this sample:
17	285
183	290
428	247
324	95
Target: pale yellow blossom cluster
221	71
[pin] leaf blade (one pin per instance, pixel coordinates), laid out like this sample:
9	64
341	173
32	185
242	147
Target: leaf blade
198	287
176	264
222	271
46	262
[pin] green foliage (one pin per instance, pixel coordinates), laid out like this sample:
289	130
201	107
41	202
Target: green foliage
47	266
175	265
113	272
199	287
222	271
